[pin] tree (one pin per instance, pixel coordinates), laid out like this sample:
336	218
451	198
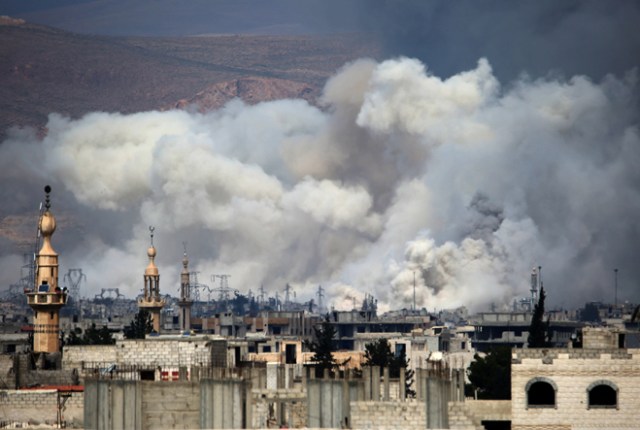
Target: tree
539	333
140	326
322	346
91	336
590	313
490	376
378	353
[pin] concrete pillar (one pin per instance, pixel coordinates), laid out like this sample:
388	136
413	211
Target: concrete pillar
436	400
402	393
326	403
385	378
366	372
182	373
314	406
420	384
91	404
117	405
104	406
338	412
375	383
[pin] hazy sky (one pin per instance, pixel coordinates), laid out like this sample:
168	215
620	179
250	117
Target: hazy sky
497	136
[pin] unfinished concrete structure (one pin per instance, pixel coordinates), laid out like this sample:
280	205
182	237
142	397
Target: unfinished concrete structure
47	297
151	299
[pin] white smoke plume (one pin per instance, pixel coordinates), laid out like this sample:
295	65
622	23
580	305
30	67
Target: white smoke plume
460	184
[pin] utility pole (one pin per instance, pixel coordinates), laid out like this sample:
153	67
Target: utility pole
414	290
615	272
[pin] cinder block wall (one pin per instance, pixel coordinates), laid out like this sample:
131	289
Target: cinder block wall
164	352
573	370
40	407
410	415
73	356
150	352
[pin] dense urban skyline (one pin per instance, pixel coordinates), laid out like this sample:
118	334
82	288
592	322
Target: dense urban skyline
494	137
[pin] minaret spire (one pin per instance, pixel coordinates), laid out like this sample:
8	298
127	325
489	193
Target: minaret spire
185	301
46	298
151	300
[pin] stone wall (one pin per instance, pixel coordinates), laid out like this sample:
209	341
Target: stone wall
572	371
149	352
40	407
470	413
408	415
7	373
74	356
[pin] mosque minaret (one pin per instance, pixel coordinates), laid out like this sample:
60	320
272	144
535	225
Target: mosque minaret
185	301
47	298
151	300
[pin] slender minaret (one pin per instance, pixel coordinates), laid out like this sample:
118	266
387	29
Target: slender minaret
185	295
151	301
47	298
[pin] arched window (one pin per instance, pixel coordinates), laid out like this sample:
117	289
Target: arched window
602	394
541	393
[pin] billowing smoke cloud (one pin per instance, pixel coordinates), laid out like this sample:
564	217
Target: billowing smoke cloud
457	186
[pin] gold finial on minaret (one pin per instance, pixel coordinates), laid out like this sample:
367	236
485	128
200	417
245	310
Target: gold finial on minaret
185	260
46	298
151	253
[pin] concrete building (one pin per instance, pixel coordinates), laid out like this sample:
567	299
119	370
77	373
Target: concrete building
151	299
595	386
47	298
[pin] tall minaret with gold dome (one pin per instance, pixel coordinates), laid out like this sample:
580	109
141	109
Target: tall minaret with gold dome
47	298
185	301
151	300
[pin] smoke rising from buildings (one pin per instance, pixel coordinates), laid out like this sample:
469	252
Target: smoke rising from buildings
461	181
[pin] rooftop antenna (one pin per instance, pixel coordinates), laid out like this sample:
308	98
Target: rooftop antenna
261	295
151	230
615	272
414	290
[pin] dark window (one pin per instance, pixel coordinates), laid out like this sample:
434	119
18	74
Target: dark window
621	340
147	375
290	354
541	394
496	425
266	348
603	395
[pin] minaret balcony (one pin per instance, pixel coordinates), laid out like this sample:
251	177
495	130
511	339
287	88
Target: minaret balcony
55	298
152	302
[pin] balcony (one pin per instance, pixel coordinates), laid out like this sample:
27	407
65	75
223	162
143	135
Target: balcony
46	298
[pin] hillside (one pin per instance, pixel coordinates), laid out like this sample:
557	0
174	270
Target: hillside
49	70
